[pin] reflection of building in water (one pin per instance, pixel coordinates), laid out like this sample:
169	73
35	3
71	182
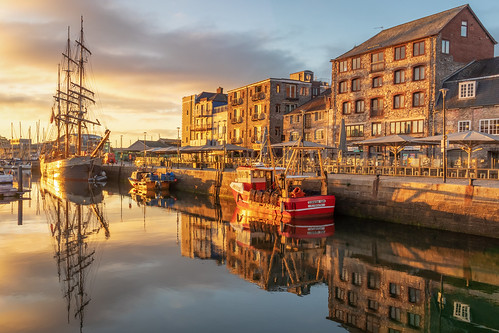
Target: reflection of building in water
202	238
381	281
258	252
75	217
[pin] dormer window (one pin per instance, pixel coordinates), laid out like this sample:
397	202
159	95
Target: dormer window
467	89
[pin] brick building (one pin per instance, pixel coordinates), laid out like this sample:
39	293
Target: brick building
472	103
198	113
389	84
260	105
315	125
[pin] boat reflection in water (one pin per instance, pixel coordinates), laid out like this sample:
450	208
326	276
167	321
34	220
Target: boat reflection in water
278	255
75	215
152	197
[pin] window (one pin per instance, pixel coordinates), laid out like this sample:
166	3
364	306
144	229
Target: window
342	87
464	28
278	108
418	48
355	130
394	290
352	298
372	324
290	119
490	126
343	66
463	125
289	107
356	63
277	130
414	295
291	91
278	88
294	136
339	293
344	275
418	73
376	107
394	313
319	134
399	76
413	319
356	279
406	127
418	98
377	62
445	46
352	319
398	101
372	304
399	53
466	89
356	84
462	311
373	279
346	108
319	116
375	131
392	330
359	106
377	81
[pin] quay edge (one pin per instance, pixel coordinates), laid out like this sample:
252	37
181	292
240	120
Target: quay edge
423	202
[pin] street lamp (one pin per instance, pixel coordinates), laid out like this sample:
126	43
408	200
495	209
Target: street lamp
444	136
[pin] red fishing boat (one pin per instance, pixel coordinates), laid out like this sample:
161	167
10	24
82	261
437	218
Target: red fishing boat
277	191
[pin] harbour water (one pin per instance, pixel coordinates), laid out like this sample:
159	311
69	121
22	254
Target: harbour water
103	260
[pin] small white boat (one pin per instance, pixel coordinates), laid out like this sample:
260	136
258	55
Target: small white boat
7	185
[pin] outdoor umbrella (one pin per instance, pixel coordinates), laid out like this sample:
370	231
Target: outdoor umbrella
299	143
396	143
342	146
469	140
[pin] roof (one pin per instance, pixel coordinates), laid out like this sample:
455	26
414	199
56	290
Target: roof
417	29
319	103
486	75
213	97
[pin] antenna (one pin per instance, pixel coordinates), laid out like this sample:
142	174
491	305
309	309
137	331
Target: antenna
381	28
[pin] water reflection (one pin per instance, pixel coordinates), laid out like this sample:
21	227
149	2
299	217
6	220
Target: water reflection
412	279
275	255
75	215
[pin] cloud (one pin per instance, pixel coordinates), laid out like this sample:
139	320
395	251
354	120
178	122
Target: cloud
138	66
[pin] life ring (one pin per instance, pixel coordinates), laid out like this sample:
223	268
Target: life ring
297	193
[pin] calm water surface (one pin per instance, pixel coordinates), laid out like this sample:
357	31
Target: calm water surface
108	261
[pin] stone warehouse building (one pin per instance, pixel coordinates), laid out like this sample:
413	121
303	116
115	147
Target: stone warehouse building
390	83
310	120
260	105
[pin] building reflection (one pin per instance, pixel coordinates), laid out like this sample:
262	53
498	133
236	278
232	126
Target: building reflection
75	214
410	280
380	277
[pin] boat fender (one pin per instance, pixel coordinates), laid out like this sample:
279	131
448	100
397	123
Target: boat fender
297	193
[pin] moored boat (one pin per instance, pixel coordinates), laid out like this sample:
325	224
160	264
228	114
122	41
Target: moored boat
7	188
151	181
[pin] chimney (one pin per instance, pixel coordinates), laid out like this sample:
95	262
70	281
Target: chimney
220	90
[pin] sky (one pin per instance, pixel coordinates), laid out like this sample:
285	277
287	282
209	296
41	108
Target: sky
148	54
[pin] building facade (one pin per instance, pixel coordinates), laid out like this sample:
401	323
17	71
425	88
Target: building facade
310	120
389	84
198	113
263	104
472	103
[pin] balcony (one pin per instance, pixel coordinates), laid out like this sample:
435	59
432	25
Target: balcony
258	96
237	101
377	67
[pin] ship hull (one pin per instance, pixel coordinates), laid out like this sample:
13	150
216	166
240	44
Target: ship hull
76	168
308	207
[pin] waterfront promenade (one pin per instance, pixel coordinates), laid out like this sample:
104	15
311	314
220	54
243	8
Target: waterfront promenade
420	201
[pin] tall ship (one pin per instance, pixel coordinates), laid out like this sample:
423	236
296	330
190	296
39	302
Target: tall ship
75	152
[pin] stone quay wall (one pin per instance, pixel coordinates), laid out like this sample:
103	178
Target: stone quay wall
422	202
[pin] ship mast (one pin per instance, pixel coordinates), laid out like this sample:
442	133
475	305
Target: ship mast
68	83
80	98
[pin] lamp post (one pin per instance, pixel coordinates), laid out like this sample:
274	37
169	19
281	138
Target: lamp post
178	147
444	136
145	134
121	149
